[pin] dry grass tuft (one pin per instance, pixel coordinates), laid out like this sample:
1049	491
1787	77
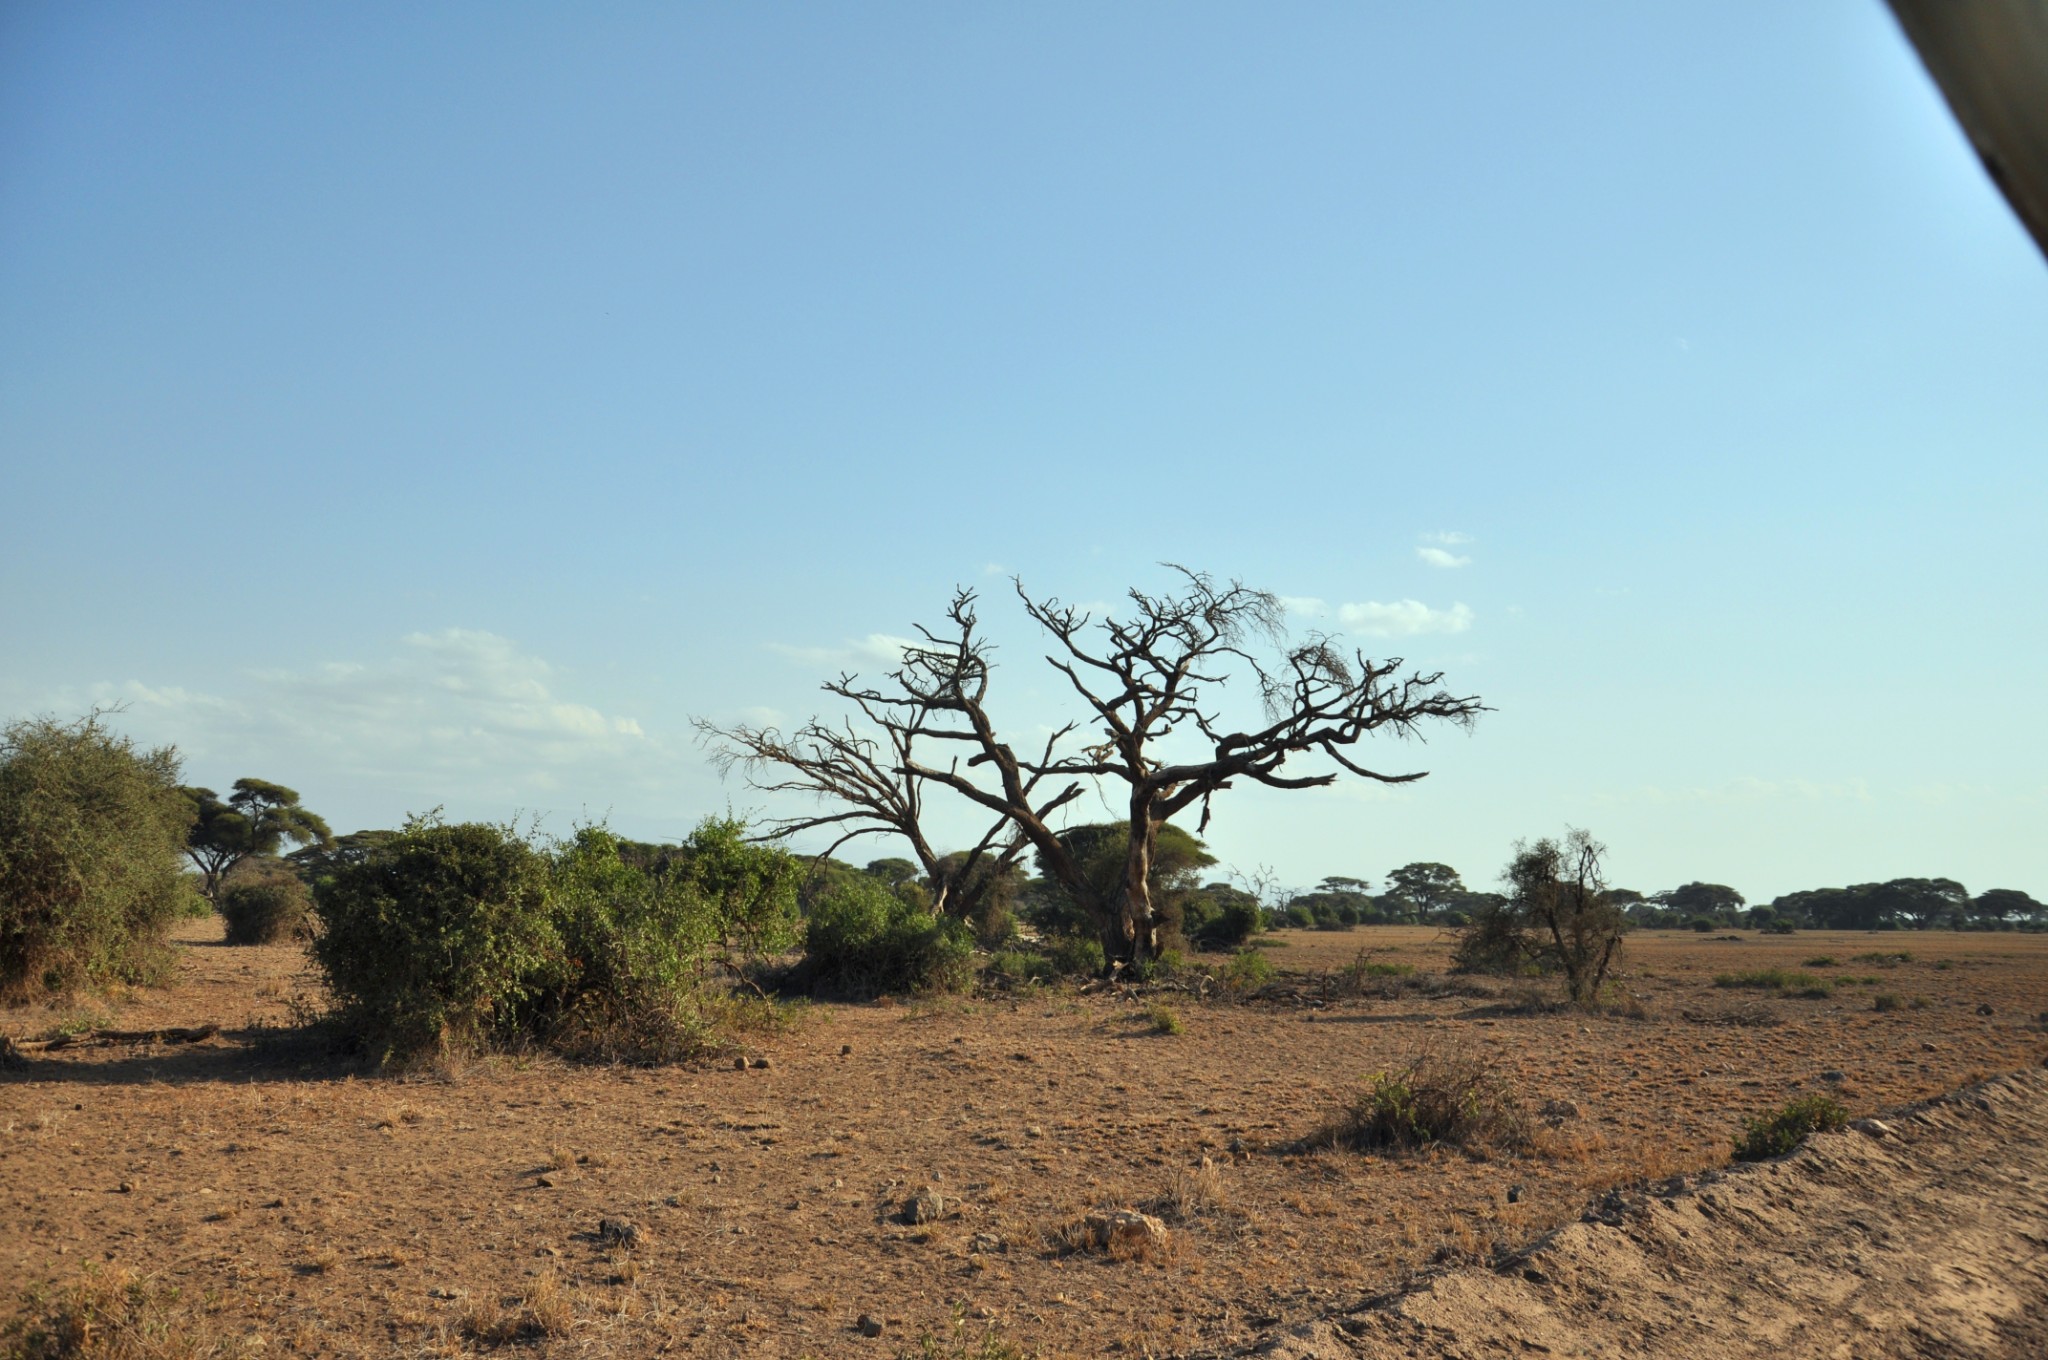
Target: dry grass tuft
115	1314
1437	1098
1190	1193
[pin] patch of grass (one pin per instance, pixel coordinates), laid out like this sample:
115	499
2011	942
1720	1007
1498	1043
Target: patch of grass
115	1314
1018	968
1886	1001
1883	958
1819	961
1944	965
1774	1135
1189	1193
1161	1018
1435	1098
1918	1003
1778	980
962	1343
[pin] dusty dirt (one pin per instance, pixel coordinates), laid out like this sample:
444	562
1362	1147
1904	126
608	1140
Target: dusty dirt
303	1206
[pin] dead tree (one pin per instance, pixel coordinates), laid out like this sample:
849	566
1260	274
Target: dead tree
1143	682
868	775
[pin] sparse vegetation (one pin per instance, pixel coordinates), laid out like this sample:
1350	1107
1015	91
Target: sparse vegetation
1559	918
1160	1017
1774	1135
266	908
863	940
1247	971
1886	1001
1453	1099
1808	985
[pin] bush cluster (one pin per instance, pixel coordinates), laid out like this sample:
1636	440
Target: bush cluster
92	835
266	908
1448	1098
456	937
864	940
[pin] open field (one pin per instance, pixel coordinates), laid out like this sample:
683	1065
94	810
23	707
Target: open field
293	1199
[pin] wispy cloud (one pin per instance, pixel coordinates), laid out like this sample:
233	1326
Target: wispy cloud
1304	606
876	649
462	707
1449	538
1403	618
1442	557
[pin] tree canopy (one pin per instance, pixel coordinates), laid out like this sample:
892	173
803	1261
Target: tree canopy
258	818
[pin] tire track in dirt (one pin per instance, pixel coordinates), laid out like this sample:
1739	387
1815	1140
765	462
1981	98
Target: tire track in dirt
1920	1235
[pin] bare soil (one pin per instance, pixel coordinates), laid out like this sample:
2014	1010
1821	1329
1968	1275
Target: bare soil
302	1205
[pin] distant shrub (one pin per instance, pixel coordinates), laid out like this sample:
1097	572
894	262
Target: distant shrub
1774	1135
438	940
1820	961
1883	958
1434	1098
1247	971
1018	968
1701	925
865	940
1233	922
1076	956
1780	927
1918	1003
92	835
1886	1001
266	910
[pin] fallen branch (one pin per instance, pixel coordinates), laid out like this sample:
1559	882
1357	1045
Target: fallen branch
170	1034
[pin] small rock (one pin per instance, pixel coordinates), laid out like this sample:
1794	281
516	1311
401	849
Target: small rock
846	1050
1556	1112
869	1325
549	1180
986	1244
1984	1008
760	1064
739	1064
1514	1194
1833	1077
1033	1131
1876	1128
127	1187
924	1206
1126	1230
1535	1276
439	1293
618	1232
1929	1048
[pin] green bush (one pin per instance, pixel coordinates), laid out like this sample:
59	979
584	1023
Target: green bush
1886	1001
439	940
92	837
1247	971
1160	1017
1820	961
1076	956
267	909
1228	927
865	940
1774	1135
1019	968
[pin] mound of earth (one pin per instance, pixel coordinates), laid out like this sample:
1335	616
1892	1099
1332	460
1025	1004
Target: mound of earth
1925	1235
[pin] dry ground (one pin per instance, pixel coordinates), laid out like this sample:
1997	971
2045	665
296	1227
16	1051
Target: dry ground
304	1207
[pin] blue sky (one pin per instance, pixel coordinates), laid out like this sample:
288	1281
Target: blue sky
439	405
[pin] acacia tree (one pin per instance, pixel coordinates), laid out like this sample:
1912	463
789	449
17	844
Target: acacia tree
1560	894
1144	683
257	819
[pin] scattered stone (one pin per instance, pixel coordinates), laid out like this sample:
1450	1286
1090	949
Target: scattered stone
986	1244
618	1232
739	1064
127	1187
1929	1048
1984	1008
925	1205
1514	1194
550	1180
1876	1128
1126	1230
1033	1131
869	1325
439	1293
760	1064
846	1050
1556	1112
1833	1077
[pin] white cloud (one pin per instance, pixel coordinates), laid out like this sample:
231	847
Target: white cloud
1439	557
1306	606
1403	618
459	709
884	649
1449	538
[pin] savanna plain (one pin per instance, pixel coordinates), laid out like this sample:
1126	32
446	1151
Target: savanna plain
914	1177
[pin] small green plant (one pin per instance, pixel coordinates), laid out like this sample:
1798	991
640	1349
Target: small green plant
961	1343
1161	1018
1247	971
1774	1135
1918	1003
1819	961
1886	1001
1943	965
1884	958
1018	968
1449	1098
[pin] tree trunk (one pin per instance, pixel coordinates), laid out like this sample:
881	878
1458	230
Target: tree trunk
1138	924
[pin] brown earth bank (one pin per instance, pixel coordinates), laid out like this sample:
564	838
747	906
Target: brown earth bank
299	1204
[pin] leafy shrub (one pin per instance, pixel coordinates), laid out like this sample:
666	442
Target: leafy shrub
1018	968
1447	1098
266	909
1884	959
865	940
438	940
1774	1135
92	836
1701	925
1076	956
1233	922
1247	971
1886	1001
